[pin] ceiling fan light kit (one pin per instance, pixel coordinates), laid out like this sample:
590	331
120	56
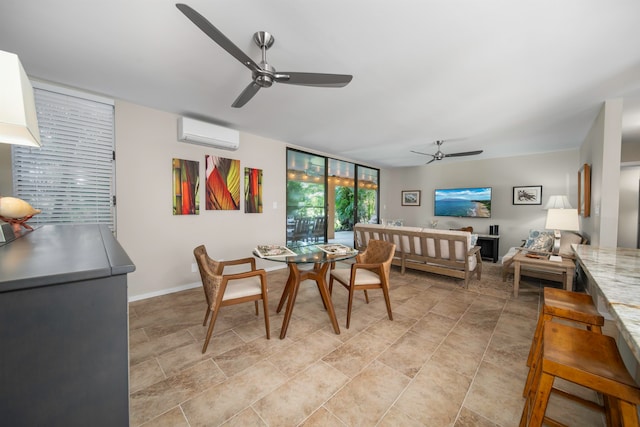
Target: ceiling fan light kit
263	75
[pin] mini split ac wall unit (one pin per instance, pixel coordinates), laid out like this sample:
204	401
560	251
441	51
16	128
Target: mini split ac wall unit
207	134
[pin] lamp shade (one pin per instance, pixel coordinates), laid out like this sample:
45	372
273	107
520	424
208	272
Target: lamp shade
558	202
563	219
18	120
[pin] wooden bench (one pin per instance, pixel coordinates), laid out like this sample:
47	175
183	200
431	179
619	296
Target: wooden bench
427	249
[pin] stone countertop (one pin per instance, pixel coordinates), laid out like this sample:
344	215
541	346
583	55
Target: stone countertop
616	273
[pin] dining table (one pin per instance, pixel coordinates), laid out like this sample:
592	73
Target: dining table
321	257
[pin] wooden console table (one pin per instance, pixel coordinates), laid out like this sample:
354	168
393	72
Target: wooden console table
489	246
567	267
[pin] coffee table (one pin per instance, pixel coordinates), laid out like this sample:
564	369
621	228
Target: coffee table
321	260
567	267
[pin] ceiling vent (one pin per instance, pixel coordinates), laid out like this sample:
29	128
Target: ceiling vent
207	134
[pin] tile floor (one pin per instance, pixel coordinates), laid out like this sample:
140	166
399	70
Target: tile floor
451	357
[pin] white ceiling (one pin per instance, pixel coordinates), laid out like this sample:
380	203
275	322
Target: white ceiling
509	77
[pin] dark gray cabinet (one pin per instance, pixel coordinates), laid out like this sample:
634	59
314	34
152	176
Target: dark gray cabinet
64	328
489	246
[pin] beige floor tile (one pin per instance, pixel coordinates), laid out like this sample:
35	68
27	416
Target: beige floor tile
451	308
172	418
408	354
356	354
181	358
496	396
365	399
291	403
224	400
461	353
299	355
159	397
246	418
394	418
508	352
139	352
144	374
469	418
391	330
434	327
434	396
322	418
247	355
219	343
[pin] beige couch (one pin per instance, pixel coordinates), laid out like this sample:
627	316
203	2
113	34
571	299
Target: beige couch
447	252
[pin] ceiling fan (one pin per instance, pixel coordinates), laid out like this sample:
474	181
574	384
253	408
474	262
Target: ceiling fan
263	74
439	155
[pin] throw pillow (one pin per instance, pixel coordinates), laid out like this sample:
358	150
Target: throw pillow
474	239
539	240
567	238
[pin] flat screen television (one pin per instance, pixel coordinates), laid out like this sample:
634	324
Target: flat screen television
463	202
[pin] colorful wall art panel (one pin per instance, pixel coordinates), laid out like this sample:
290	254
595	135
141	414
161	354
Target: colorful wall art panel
186	186
223	183
252	190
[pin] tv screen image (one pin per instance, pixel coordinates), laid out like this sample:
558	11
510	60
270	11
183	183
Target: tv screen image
463	202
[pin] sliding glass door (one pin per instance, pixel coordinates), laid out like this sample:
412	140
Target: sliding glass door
306	197
326	197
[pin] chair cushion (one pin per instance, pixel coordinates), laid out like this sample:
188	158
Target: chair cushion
363	276
239	288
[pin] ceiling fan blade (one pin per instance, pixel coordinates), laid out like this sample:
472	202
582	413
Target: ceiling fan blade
313	79
217	36
430	161
424	154
246	95
465	153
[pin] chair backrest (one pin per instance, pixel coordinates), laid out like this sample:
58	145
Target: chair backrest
210	274
318	227
379	252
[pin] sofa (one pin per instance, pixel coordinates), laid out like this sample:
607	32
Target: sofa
541	242
447	252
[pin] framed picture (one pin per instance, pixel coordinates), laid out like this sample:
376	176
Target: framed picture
411	198
531	195
584	190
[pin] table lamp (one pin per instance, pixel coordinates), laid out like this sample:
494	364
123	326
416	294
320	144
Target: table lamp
18	120
561	219
558	202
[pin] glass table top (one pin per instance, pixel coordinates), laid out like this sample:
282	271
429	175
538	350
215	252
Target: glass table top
305	253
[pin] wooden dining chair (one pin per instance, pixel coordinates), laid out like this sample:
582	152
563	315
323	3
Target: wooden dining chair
370	271
228	289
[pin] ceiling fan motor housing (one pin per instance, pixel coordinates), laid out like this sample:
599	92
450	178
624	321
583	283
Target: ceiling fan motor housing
264	77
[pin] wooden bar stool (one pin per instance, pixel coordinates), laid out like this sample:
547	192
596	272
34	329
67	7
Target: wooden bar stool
585	358
558	303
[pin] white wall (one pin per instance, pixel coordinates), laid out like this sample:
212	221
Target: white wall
628	216
161	244
602	150
556	172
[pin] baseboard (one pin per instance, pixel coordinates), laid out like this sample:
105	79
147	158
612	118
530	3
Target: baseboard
185	287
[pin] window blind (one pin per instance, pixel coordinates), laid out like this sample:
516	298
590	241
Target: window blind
71	177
